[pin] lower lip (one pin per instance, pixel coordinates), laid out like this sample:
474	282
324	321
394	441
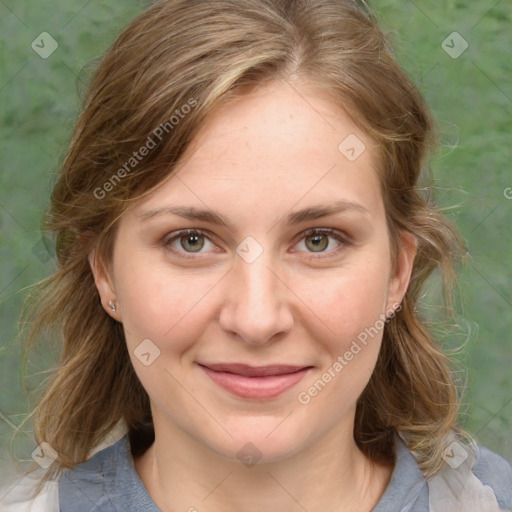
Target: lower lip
255	387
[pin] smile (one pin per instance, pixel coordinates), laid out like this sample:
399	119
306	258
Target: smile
255	382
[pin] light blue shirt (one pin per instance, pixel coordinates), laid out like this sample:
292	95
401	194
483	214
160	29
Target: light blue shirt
108	482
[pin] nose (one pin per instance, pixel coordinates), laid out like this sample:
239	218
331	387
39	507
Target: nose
256	307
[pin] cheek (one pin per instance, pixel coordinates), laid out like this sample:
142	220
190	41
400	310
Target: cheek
352	304
160	305
164	308
350	300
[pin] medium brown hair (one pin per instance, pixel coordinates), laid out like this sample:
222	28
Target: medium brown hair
203	54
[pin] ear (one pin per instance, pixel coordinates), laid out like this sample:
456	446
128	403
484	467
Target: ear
104	285
399	281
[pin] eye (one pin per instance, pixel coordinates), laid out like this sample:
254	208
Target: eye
188	241
192	241
317	240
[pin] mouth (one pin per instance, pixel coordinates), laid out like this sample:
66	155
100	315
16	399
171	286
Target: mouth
254	371
255	382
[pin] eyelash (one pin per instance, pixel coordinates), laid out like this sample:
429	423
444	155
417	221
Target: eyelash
343	240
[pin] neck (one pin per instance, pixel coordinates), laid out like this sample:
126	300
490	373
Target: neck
331	475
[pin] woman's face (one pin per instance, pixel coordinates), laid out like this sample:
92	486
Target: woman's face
250	285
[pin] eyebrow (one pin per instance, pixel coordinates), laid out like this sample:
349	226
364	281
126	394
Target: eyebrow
211	217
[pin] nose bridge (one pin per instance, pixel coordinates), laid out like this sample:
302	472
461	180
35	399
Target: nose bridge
256	308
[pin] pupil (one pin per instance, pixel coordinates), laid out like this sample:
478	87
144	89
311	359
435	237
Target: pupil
319	242
193	243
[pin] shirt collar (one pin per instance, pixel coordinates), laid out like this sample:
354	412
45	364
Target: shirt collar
109	481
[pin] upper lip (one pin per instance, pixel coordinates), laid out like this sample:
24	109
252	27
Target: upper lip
253	371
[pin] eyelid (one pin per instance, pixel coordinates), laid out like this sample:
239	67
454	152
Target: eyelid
343	238
171	237
325	231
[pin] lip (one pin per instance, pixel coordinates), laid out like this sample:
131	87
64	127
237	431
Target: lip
246	370
262	382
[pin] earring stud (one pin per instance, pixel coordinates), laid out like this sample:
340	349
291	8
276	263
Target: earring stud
112	305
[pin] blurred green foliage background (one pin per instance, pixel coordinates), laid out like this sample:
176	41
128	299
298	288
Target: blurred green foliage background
471	97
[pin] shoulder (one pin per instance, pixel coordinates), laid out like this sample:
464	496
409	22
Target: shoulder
90	484
106	482
87	482
495	472
473	477
15	496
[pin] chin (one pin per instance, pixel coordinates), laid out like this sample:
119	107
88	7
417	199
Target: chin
262	444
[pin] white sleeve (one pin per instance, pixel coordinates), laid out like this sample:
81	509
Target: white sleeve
16	497
456	489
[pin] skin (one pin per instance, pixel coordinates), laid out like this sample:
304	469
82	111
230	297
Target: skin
271	153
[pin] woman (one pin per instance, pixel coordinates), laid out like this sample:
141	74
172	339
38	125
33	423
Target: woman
242	244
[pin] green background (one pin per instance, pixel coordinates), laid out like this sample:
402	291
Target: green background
470	96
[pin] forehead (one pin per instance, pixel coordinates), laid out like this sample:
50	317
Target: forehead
278	146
